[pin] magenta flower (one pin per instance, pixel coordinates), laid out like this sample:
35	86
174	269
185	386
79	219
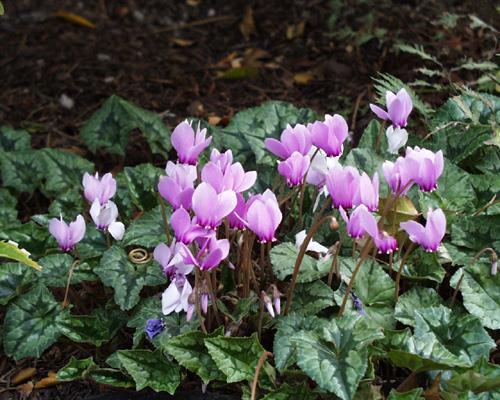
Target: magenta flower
102	189
210	254
222	160
397	176
383	241
189	144
171	259
233	177
399	107
343	184
211	207
354	223
330	134
67	236
430	236
237	217
178	186
294	168
424	167
185	229
293	139
367	192
264	215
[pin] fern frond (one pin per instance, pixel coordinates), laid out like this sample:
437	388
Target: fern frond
417	50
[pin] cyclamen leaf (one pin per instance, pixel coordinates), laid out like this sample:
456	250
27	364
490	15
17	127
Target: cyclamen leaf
14	139
32	324
76	369
111	377
109	127
236	357
14	278
414	394
242	308
56	269
417	298
189	350
8	211
18	172
482	377
337	358
286	392
283	258
147	231
476	232
150	369
311	298
126	278
480	293
12	251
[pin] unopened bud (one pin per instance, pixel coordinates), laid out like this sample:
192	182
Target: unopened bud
334	224
204	302
267	302
276	299
494	267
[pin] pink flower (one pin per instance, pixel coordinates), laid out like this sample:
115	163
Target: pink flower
189	144
212	251
424	167
175	297
233	177
264	216
293	139
102	189
211	207
383	241
222	160
67	236
237	217
185	229
430	236
396	176
330	134
399	107
320	168
343	184
294	168
367	192
354	223
178	186
105	218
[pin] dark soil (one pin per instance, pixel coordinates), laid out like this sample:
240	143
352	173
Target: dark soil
168	57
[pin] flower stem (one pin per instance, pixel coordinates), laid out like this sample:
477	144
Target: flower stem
164	216
68	282
400	269
301	255
197	300
213	298
494	257
364	253
334	266
260	363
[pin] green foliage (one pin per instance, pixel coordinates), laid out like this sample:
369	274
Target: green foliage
11	251
76	369
415	394
109	127
146	231
34	322
14	139
126	278
56	269
417	298
14	279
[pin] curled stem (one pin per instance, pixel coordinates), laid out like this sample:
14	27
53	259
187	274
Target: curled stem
260	363
400	269
494	258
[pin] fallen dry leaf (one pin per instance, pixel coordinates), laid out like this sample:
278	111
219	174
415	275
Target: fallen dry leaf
50	380
182	42
26	388
75	19
23	375
303	78
247	26
193	3
295	31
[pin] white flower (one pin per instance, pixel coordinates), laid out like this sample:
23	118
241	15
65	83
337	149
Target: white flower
105	218
175	297
396	139
312	246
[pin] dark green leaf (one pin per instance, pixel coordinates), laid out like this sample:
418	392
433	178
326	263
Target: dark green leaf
287	392
150	369
56	268
311	298
127	278
75	369
93	244
242	308
29	236
482	377
422	266
189	350
14	278
14	139
147	231
8	212
480	293
365	160
109	127
476	232
417	298
18	170
111	377
337	359
236	357
149	308
414	394
32	323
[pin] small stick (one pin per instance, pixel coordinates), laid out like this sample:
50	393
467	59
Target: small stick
68	282
260	363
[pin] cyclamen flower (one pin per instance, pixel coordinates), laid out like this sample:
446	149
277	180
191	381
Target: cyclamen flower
424	167
67	236
104	217
211	253
293	139
399	107
430	236
237	217
343	184
222	160
367	192
354	223
186	230
175	297
267	302
210	208
312	246
397	176
154	327
276	299
189	144
101	189
396	138
264	216
320	167
233	177
330	134
171	259
178	186
294	168
383	241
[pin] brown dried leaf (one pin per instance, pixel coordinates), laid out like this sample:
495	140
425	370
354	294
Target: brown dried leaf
75	19
26	388
182	42
295	31
247	25
303	78
50	380
23	375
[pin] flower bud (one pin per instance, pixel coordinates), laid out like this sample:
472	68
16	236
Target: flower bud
334	224
267	302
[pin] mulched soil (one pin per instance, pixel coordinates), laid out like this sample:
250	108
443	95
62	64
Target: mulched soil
167	56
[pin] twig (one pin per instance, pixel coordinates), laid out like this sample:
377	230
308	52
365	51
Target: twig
68	282
260	363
